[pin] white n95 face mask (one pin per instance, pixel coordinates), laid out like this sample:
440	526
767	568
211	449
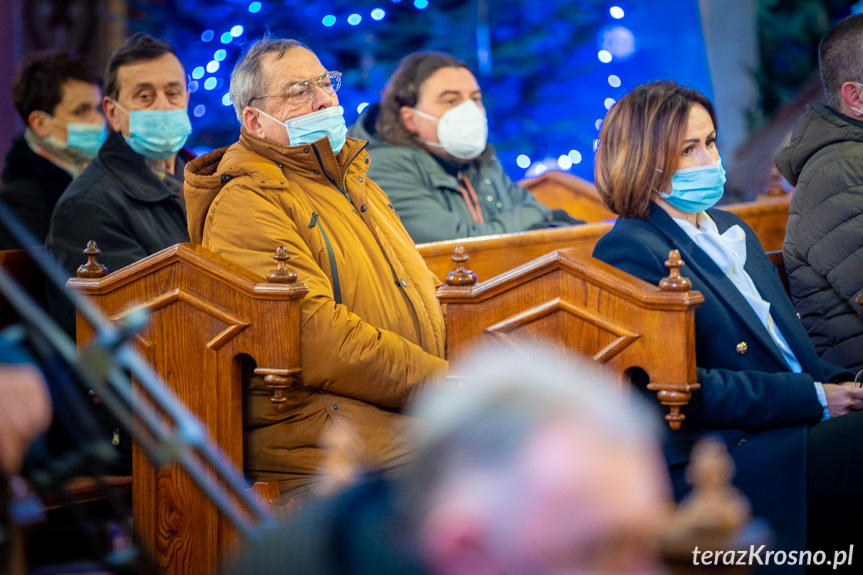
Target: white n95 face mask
462	130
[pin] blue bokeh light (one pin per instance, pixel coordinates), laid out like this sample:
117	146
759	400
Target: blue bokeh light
329	20
616	12
207	35
237	31
198	73
378	14
523	161
354	19
193	86
254	7
200	110
220	55
362	107
212	66
210	83
421	4
227	100
226	38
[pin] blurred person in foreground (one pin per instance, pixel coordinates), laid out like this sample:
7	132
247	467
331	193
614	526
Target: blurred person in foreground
429	151
789	420
522	468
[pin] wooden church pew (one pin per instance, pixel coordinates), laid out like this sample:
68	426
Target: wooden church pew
206	313
587	306
494	255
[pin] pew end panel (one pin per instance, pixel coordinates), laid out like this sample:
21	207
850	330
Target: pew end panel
587	306
206	314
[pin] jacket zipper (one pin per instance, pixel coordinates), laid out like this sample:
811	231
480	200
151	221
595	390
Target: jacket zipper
334	270
342	189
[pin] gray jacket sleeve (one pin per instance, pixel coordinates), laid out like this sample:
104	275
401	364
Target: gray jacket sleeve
431	212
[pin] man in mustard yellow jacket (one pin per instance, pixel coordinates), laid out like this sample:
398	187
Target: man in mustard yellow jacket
372	331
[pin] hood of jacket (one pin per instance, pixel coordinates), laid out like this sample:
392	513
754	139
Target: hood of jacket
207	175
819	127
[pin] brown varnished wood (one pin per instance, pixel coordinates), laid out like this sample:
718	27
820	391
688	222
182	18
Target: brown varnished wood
92	269
584	305
205	312
494	255
568	192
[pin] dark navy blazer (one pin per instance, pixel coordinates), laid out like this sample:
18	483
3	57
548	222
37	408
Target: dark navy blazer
749	399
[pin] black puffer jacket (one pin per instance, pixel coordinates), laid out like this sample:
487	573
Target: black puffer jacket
824	239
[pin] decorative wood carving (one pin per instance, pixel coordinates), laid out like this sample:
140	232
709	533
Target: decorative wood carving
674	281
282	274
460	276
494	255
92	269
774	188
715	516
205	314
587	306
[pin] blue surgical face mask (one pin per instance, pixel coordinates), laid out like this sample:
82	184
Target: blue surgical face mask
86	137
308	128
696	189
158	134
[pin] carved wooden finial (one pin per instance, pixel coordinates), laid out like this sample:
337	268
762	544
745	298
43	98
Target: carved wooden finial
460	276
714	502
92	269
282	274
278	384
775	189
674	281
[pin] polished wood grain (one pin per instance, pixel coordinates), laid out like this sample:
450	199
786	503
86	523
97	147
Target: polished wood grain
568	192
585	305
494	255
205	314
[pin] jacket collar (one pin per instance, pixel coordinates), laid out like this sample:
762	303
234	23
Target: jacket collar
306	158
702	265
136	179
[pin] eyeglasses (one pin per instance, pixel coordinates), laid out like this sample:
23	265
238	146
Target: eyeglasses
302	92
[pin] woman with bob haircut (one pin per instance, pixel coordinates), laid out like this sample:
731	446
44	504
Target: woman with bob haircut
790	420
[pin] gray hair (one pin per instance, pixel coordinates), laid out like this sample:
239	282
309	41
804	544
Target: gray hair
477	428
247	79
839	57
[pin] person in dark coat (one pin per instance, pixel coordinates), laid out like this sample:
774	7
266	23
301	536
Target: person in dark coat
789	419
429	153
823	248
59	98
129	199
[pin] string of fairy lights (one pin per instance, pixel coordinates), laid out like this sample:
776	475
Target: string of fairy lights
615	41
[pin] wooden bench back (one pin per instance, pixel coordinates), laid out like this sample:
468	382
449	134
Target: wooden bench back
205	313
585	305
493	255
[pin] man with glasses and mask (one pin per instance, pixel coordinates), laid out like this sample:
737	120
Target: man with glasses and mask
428	145
59	98
371	328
